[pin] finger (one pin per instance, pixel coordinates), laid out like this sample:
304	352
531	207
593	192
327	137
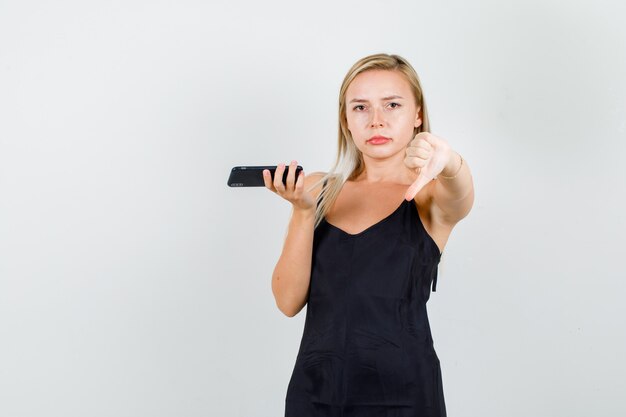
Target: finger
420	143
291	175
430	139
418	151
300	182
414	162
418	138
425	145
436	142
278	177
267	179
415	188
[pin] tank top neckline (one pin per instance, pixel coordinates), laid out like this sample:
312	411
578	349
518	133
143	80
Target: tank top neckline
373	226
383	221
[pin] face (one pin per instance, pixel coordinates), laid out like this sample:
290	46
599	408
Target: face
381	113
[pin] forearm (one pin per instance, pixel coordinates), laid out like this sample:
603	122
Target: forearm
292	274
454	189
455	181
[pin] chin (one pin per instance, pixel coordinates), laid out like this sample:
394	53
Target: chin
380	155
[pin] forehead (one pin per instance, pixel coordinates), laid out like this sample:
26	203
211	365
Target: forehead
375	84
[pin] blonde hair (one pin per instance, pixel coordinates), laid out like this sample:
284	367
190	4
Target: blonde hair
349	162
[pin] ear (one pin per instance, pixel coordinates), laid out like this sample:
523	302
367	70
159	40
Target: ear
418	119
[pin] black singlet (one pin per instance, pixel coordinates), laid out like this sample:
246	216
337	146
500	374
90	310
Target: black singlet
367	348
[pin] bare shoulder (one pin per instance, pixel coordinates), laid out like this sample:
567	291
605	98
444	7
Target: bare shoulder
313	182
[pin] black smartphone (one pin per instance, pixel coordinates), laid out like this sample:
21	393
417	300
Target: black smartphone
252	176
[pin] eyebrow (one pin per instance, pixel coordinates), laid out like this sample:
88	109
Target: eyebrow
361	100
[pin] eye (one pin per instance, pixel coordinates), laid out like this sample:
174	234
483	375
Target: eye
359	107
394	105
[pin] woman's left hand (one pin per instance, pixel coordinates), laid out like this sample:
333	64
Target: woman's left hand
428	153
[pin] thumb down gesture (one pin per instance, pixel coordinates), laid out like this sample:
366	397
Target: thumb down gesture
428	153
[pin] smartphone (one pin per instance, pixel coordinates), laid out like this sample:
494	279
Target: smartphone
252	176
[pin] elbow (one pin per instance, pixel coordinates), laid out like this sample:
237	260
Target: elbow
289	313
283	304
286	310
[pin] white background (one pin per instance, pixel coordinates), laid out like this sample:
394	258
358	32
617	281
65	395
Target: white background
134	282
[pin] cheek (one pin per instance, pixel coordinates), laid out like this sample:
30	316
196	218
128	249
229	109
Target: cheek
405	125
408	120
356	123
357	119
401	118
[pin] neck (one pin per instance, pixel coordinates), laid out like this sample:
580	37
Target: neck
389	170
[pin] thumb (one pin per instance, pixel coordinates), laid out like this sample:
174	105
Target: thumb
419	183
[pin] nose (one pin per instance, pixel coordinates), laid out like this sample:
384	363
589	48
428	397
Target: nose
377	119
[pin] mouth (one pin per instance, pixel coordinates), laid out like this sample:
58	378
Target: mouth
378	140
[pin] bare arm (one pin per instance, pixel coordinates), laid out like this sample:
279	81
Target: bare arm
453	197
292	273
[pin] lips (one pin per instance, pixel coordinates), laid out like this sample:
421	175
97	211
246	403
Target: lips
378	140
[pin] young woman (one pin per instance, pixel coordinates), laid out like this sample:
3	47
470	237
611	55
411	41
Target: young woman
362	250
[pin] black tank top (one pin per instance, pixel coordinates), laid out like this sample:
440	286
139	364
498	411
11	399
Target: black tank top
367	348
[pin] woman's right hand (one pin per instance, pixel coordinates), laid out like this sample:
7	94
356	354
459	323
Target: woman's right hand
294	191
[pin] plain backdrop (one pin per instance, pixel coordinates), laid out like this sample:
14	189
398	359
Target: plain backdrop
134	282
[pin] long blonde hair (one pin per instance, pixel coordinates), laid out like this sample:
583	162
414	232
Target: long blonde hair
349	162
